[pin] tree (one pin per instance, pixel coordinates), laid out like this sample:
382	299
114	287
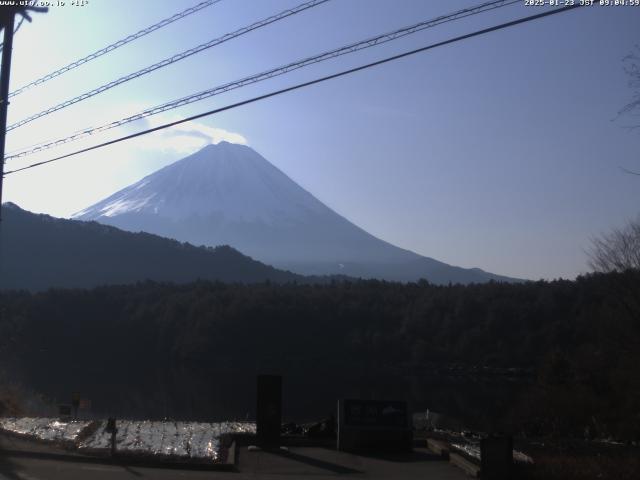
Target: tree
618	250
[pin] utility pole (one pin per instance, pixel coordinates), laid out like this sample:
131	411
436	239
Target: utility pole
8	17
8	20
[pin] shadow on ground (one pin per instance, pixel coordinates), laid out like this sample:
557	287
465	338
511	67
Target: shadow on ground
315	462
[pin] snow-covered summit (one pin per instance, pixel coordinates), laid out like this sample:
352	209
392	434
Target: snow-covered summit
226	180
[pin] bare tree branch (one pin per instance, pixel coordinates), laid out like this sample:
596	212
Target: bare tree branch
618	250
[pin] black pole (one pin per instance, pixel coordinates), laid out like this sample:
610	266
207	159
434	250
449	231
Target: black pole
269	410
8	21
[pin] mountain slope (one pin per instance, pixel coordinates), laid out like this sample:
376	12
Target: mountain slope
39	251
229	194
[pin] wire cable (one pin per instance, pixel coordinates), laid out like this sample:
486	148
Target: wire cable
19	25
351	48
170	60
115	45
305	84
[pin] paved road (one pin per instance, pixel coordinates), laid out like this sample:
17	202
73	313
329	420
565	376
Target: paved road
312	463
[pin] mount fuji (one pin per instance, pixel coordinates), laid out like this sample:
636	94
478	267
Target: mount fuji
228	194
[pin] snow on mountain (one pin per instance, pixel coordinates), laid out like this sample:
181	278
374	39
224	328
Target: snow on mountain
226	179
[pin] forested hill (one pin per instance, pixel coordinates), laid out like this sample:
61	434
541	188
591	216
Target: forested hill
39	251
193	350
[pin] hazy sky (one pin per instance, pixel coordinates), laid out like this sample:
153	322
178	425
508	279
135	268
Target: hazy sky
500	152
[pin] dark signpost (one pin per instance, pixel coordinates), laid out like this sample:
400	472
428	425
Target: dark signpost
496	457
112	429
75	401
373	425
269	410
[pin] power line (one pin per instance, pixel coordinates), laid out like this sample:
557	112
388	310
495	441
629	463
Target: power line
306	84
19	25
115	45
170	60
351	48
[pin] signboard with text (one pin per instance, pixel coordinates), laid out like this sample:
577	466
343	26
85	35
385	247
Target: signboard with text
374	413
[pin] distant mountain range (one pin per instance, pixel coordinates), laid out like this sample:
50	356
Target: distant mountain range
229	194
39	251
